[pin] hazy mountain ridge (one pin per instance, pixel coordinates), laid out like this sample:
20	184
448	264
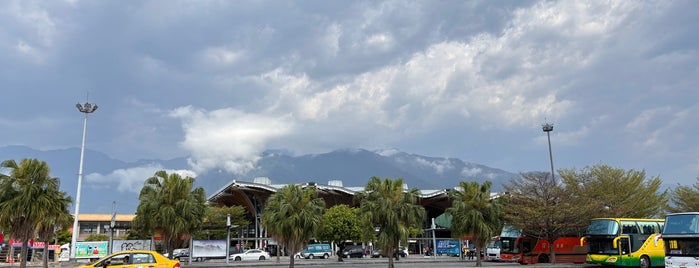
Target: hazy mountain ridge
353	167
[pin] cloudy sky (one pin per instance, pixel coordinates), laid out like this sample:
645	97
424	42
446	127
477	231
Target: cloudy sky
222	81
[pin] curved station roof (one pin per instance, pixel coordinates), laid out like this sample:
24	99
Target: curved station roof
253	195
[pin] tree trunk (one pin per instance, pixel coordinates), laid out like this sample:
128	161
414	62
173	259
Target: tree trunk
478	257
45	258
339	253
23	254
292	259
552	250
279	252
389	254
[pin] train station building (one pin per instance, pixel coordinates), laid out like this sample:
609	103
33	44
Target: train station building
253	197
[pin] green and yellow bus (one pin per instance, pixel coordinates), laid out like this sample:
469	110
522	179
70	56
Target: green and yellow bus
625	242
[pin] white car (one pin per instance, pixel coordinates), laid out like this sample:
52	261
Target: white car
250	255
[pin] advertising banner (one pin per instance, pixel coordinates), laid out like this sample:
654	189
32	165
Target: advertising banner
448	247
208	248
91	250
119	245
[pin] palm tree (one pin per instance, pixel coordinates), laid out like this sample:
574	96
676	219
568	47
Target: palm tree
474	213
170	205
392	210
292	215
57	217
28	195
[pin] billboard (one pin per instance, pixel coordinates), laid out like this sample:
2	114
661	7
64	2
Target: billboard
92	250
448	247
209	248
119	245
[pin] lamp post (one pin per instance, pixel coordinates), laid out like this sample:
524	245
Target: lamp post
548	128
228	237
111	228
86	109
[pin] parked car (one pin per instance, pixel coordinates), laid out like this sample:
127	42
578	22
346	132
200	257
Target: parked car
317	251
353	252
250	254
134	258
180	254
400	251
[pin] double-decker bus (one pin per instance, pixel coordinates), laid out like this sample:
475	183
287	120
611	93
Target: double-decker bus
625	242
681	240
524	249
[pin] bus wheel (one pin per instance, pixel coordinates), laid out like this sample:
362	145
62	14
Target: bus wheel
543	258
644	262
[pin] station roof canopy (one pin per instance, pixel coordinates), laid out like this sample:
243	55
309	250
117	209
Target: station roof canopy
253	195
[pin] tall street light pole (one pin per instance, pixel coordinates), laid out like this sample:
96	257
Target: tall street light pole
548	128
228	238
86	109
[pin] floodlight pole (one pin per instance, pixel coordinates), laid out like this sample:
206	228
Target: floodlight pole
111	228
86	109
228	238
548	128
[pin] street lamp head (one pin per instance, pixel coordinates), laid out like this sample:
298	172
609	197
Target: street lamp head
86	108
547	127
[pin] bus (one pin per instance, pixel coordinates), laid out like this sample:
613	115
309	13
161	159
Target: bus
681	240
625	242
525	249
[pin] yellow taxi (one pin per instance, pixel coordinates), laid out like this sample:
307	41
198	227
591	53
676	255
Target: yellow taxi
134	259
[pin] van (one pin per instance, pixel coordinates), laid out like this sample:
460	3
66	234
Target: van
317	251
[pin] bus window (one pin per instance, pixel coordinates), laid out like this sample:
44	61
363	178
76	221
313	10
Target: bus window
648	228
629	227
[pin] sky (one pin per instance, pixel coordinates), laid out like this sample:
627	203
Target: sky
222	81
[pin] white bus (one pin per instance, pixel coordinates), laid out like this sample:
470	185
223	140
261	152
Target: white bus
681	239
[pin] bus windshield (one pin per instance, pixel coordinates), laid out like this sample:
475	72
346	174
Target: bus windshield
682	224
510	231
603	227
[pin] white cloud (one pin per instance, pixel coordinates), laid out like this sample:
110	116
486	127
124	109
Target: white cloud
439	166
228	138
467	172
220	56
129	180
382	42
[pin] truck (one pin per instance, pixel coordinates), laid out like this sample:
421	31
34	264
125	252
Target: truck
492	251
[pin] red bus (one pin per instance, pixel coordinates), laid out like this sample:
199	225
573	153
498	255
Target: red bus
523	249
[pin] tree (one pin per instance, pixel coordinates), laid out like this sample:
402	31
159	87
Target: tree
170	205
474	213
214	224
603	191
56	218
292	215
684	198
340	223
97	237
392	210
27	195
539	206
64	236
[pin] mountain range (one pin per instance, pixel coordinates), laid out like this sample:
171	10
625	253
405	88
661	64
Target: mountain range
109	181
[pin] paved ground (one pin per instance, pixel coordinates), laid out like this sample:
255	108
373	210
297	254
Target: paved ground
413	261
